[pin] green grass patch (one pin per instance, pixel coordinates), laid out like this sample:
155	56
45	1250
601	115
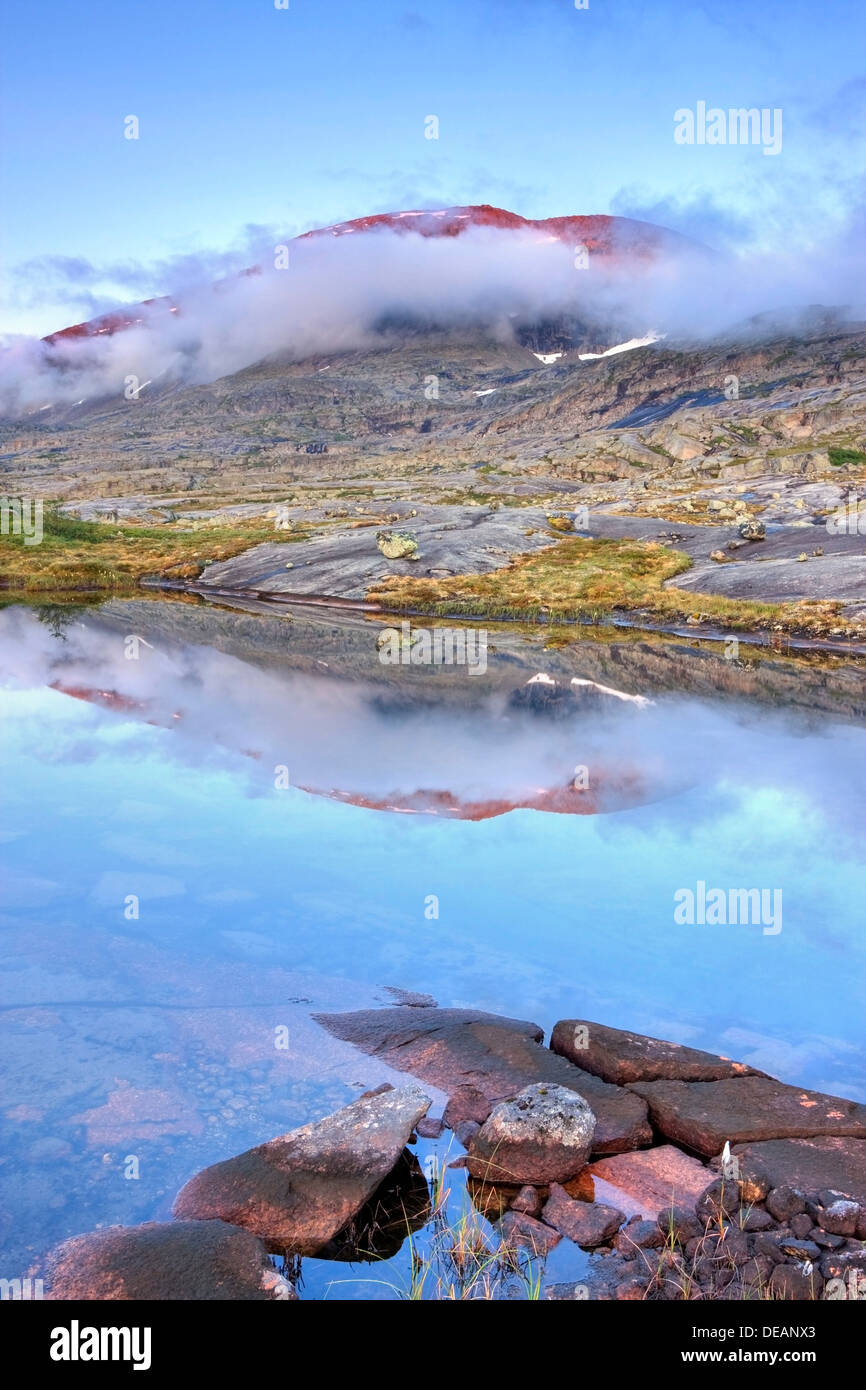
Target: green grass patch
847	458
582	579
91	556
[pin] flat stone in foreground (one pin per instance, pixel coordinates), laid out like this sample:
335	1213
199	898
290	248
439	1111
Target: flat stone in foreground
621	1057
809	1164
650	1181
177	1260
702	1115
298	1191
450	1048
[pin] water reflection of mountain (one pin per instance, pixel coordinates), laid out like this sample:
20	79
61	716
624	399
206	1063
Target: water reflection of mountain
343	645
595	730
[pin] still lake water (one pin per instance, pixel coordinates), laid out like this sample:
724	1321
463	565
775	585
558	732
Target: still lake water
152	1037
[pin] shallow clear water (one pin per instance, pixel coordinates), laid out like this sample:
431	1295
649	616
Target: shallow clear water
152	1037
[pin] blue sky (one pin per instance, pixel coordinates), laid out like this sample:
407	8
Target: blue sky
295	118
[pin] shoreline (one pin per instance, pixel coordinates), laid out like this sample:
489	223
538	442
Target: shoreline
603	1141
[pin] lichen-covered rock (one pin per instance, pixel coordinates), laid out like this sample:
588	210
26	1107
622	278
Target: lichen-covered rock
840	1217
543	1135
397	545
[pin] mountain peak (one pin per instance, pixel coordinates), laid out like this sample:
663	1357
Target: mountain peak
611	239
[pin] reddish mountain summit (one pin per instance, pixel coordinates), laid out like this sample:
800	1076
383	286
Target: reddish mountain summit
612	239
616	786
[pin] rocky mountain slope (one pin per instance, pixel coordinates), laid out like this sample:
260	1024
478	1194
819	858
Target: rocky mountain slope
672	442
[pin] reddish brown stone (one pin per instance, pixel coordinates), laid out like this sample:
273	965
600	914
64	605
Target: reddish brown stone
527	1201
516	1229
638	1234
810	1164
176	1260
588	1224
757	1270
644	1183
465	1131
679	1224
756	1219
839	1264
621	1057
703	1115
785	1202
790	1283
721	1199
466	1103
631	1289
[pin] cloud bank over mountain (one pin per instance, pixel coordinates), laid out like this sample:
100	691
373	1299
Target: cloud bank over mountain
334	291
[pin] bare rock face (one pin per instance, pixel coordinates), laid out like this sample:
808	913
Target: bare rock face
179	1260
298	1191
810	1164
646	1182
543	1135
703	1115
457	1048
620	1057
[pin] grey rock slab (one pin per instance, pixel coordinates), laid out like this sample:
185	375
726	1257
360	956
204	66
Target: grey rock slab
841	577
346	562
297	1191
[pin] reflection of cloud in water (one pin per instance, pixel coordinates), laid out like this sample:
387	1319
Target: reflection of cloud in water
338	736
334	736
